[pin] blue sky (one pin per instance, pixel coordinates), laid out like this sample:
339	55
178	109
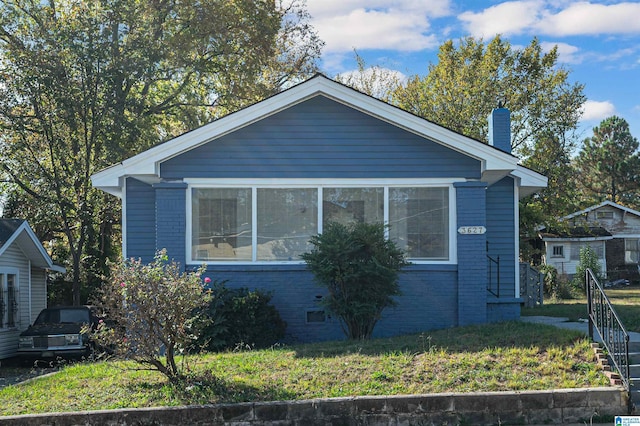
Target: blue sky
598	41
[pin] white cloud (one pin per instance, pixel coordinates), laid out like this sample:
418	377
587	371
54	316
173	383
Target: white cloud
376	24
511	17
550	17
320	9
363	29
582	18
595	110
567	54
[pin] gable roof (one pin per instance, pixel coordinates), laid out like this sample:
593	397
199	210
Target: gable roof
18	231
577	233
496	164
597	206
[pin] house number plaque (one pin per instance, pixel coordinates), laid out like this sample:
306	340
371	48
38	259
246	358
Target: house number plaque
477	230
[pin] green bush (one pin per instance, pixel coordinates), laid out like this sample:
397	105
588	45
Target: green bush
566	289
550	282
150	310
360	267
238	317
588	260
557	286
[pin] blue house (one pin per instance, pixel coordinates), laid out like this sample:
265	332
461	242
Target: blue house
245	193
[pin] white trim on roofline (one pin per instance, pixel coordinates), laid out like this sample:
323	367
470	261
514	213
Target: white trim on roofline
319	182
575	239
530	181
618	236
495	163
46	259
597	206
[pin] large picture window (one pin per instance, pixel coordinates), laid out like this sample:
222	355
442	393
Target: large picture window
265	223
348	205
419	221
287	218
221	224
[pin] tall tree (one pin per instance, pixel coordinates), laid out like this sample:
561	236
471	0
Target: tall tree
470	79
608	165
86	84
375	81
550	156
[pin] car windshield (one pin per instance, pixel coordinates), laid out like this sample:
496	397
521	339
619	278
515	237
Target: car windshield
62	316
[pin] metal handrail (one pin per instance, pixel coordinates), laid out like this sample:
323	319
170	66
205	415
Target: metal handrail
613	334
491	261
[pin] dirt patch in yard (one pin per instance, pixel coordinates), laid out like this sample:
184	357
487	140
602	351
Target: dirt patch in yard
14	370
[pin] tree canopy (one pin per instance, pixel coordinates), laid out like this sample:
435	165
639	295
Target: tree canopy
608	165
375	81
86	84
470	80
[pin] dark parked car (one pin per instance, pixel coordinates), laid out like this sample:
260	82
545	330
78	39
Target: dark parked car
59	332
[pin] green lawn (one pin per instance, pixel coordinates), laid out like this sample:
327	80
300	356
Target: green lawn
454	360
625	300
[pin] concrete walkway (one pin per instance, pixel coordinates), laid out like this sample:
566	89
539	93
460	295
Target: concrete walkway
582	325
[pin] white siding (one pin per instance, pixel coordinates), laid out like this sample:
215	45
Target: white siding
568	262
14	258
38	292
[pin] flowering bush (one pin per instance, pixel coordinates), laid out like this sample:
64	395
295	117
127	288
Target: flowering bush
150	310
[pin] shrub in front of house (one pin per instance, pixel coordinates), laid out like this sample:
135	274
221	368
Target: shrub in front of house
238	318
149	308
359	266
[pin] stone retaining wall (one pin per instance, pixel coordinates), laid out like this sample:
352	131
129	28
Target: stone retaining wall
485	408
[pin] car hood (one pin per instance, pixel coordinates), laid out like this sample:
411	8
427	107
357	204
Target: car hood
45	329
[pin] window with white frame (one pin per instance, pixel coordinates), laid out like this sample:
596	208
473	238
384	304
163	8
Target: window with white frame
558	251
8	299
631	250
221	224
348	205
265	223
287	218
419	219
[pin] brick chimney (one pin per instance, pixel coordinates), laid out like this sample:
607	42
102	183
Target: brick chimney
500	129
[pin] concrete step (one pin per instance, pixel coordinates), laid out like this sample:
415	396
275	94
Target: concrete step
634	347
634	358
634	390
634	395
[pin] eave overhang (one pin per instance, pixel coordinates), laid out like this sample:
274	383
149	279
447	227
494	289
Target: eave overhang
30	245
495	164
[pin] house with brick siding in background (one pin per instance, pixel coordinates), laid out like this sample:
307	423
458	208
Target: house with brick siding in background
245	193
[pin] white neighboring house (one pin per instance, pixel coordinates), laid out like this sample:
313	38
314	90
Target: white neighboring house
612	230
24	265
562	248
